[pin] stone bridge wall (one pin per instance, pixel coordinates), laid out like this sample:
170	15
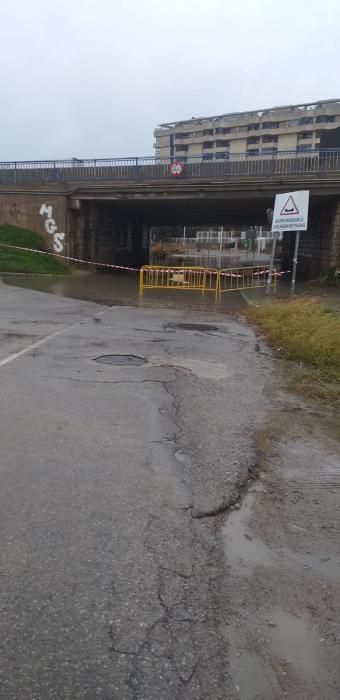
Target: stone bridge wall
23	209
319	246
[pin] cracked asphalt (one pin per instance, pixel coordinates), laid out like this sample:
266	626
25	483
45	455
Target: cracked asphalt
112	560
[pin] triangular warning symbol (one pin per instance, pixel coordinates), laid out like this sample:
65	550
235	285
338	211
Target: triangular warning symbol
289	208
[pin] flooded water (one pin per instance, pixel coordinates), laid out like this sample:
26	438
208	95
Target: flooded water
294	641
121	289
243	551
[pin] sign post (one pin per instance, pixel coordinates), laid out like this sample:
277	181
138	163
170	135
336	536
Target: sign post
295	259
290	214
269	214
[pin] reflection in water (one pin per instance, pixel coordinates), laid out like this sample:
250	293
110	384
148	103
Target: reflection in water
100	287
118	289
214	259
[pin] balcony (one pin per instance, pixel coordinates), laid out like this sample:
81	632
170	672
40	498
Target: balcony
305	135
222	143
270	139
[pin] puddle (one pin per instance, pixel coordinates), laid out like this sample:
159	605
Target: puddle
243	550
294	642
120	360
253	681
118	289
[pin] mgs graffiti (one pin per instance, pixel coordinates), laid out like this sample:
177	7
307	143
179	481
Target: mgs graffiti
52	228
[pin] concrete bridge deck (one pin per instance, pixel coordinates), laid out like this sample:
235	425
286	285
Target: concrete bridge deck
105	208
313	162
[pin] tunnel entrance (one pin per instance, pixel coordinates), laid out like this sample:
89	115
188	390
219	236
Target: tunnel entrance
104	233
164	228
212	246
134	233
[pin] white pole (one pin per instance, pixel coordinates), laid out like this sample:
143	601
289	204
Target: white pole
183	234
271	266
295	259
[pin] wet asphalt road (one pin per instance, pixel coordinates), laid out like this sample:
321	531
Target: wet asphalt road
112	562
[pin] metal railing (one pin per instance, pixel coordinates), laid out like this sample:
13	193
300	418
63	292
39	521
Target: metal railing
204	279
201	279
313	162
239	278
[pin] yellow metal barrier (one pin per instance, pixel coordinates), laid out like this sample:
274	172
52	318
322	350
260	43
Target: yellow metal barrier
238	278
195	278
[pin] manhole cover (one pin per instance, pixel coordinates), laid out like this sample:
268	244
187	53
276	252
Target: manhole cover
121	360
202	327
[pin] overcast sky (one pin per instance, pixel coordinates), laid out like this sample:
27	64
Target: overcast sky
93	78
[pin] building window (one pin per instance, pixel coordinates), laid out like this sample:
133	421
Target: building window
208	156
269	151
253	139
198	133
325	118
253	127
270	139
305	135
221	143
184	135
270	125
303	147
238	129
208	132
208	144
305	120
222	155
293	122
182	148
253	152
222	130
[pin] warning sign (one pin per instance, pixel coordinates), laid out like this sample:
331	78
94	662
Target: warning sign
291	211
289	208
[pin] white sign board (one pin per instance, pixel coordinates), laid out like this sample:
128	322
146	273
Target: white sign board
291	211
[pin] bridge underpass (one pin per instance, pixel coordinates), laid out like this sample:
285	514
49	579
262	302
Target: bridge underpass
117	230
105	210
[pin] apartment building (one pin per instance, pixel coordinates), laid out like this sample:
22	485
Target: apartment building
257	133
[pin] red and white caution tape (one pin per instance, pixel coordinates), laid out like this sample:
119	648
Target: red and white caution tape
67	257
229	274
136	269
183	270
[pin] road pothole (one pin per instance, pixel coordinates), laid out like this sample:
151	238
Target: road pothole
121	360
201	327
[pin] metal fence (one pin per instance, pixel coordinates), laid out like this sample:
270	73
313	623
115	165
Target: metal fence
313	162
201	279
238	278
204	279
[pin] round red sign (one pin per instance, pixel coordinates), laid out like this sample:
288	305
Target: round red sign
176	168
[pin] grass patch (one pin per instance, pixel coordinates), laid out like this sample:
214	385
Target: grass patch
306	332
12	260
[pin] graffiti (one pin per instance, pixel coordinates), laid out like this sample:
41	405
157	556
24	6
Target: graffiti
51	227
